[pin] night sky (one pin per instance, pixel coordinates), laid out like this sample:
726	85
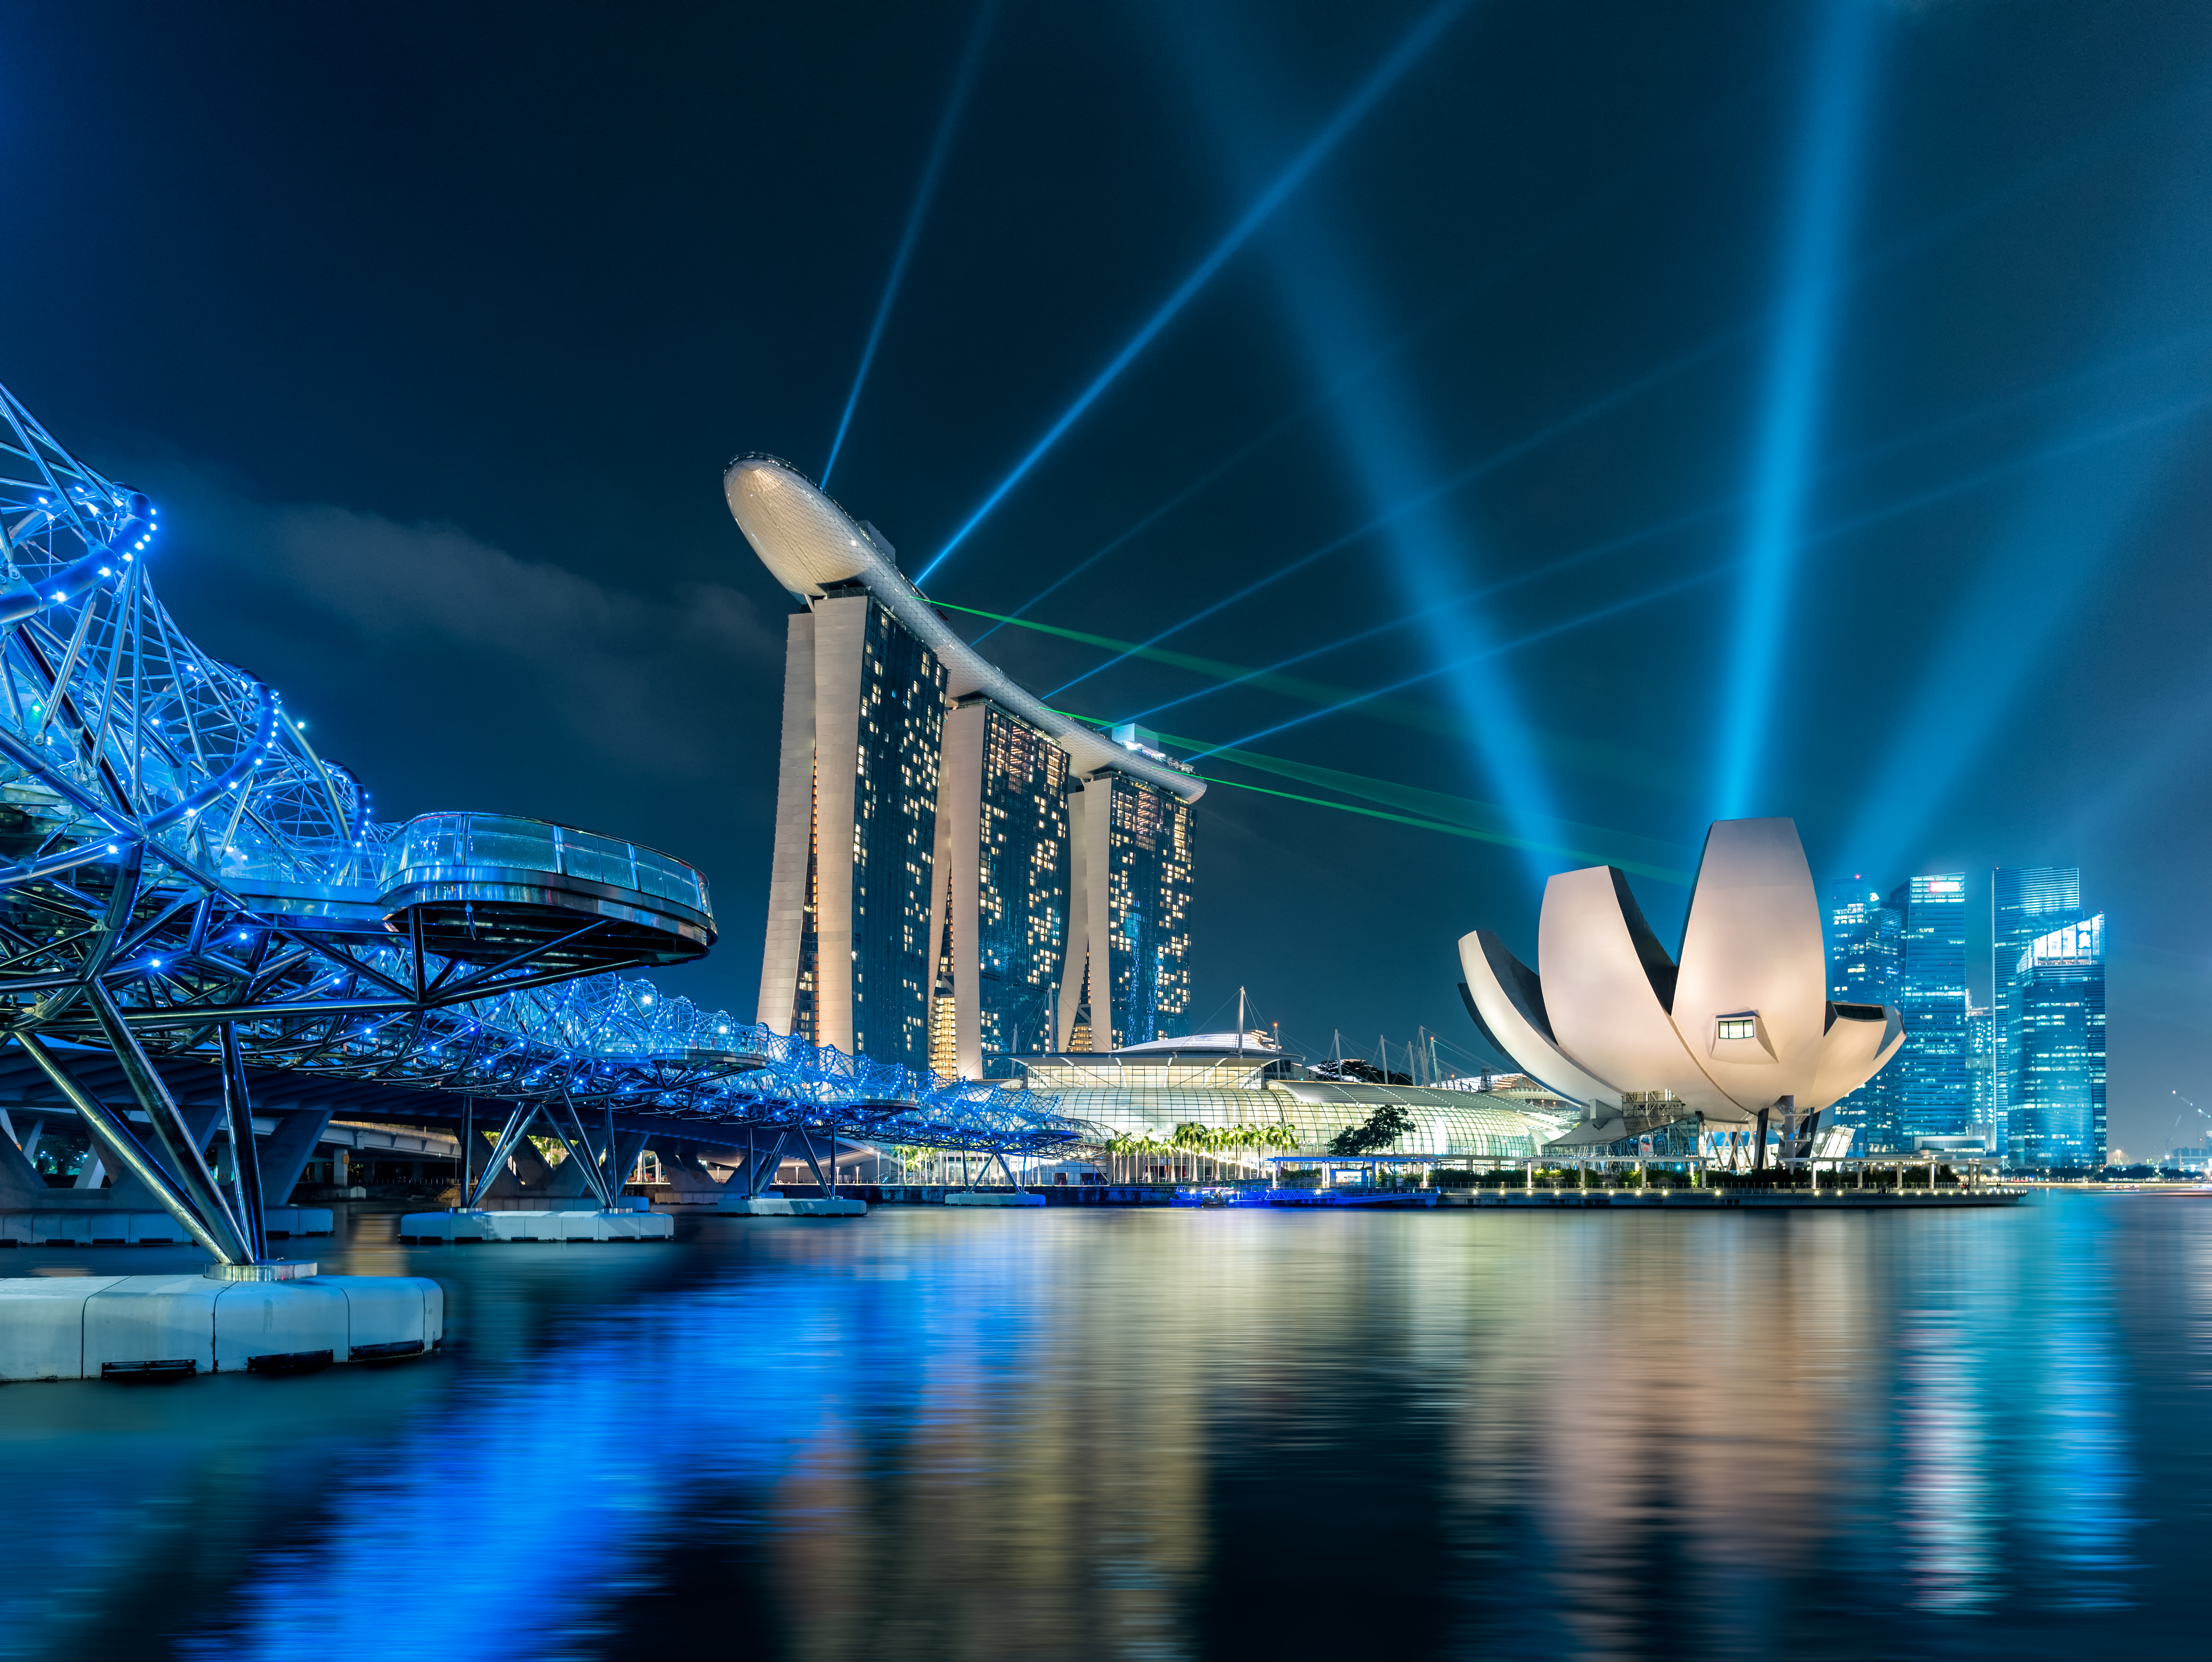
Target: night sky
1773	408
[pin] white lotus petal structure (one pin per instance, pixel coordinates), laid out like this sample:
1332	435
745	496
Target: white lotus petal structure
1741	1025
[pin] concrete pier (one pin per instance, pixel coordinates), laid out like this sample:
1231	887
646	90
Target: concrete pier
461	1228
778	1206
111	1327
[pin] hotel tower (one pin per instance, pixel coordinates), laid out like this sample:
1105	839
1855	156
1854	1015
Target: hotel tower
960	873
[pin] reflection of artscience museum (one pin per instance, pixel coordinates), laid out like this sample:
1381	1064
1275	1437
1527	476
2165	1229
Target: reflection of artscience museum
1694	1055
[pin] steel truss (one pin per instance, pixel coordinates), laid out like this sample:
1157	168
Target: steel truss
182	875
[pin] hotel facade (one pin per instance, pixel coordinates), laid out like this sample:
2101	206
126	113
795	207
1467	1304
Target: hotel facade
960	873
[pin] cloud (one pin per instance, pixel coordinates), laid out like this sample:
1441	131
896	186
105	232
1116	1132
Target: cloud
435	624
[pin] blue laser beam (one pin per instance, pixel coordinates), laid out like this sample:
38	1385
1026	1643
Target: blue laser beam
2134	426
2068	531
964	80
1559	231
1952	223
1933	496
1409	50
1137	529
1949	224
2062	536
2161	766
1581	556
1842	52
1601	614
1422	499
1382	441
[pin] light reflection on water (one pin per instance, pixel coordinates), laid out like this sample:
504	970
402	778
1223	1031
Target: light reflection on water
1163	1435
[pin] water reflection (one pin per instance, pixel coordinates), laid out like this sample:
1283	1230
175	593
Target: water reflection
1179	1435
2079	1496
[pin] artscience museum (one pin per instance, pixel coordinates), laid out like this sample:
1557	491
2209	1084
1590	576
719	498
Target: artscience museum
1706	1053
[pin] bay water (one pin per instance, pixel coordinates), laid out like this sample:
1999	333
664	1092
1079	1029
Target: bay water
1176	1433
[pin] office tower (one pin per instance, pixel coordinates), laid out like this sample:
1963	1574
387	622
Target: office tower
1863	944
1981	1046
1128	979
1865	948
846	960
1931	1082
2026	903
2057	984
1003	851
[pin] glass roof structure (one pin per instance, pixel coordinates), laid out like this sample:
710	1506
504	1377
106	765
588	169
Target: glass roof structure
1447	1124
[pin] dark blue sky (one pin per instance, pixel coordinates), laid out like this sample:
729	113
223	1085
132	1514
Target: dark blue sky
433	327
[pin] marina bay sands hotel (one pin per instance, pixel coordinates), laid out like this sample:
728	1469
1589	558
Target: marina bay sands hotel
961	874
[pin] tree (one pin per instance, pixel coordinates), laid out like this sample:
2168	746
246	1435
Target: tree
1384	1127
1193	1138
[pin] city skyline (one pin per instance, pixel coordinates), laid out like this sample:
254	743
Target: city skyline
2023	1074
1443	413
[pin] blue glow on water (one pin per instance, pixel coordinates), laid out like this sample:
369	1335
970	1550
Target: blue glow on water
923	1435
962	82
1820	191
1408	52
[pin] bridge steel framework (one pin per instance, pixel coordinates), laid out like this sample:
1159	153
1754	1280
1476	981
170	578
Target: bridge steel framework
186	884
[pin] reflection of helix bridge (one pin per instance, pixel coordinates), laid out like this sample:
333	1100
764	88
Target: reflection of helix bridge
184	881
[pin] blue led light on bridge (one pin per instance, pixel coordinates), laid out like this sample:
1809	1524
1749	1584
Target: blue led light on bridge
460	953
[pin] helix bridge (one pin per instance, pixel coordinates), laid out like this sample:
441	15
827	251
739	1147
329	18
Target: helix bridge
190	893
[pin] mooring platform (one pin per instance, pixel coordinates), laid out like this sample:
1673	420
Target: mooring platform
992	1197
127	1327
780	1206
461	1228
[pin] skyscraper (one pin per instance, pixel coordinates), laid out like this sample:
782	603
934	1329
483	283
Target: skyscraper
951	851
2058	1073
846	960
1931	1081
1003	851
1128	962
2026	903
1865	951
1981	1048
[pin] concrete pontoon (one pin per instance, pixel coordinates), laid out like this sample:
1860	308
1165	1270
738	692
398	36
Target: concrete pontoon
268	1318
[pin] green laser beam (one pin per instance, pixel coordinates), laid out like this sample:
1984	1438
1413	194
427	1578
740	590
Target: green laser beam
1439	811
1488	820
1660	874
1604	761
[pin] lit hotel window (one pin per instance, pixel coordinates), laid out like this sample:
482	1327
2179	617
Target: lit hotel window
1738	1026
